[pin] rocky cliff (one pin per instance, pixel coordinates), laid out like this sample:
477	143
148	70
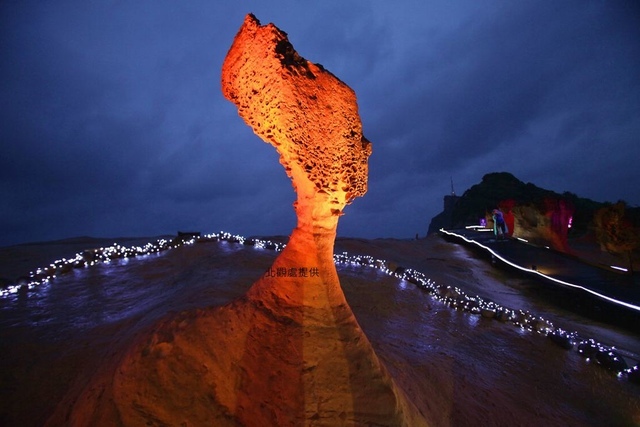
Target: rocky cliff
534	213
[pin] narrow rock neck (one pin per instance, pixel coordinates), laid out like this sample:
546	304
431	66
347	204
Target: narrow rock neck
318	217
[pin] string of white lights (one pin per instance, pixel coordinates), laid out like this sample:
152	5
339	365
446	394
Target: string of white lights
545	276
453	297
91	257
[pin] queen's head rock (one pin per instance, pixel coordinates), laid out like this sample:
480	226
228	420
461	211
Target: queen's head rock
290	351
308	114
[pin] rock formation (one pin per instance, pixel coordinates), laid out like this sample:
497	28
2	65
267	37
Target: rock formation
290	352
546	223
533	213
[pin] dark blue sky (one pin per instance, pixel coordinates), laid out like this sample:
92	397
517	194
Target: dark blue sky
112	122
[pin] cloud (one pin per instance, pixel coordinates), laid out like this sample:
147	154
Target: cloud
112	121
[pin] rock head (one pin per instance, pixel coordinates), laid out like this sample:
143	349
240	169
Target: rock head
306	113
290	351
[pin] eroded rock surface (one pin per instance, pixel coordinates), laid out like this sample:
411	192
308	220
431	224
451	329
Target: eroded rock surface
289	352
546	224
304	111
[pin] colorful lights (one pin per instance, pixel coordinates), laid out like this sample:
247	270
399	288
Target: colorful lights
454	297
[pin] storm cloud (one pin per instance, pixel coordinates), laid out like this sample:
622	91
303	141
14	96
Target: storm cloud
112	122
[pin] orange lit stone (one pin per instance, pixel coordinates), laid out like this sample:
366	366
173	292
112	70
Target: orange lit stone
290	352
306	113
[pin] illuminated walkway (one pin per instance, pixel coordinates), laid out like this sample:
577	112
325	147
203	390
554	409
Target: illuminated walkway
605	284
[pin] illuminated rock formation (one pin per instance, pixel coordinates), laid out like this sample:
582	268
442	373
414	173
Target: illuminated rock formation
290	352
546	223
306	113
311	118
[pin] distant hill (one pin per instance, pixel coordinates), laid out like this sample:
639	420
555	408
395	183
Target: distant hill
496	188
